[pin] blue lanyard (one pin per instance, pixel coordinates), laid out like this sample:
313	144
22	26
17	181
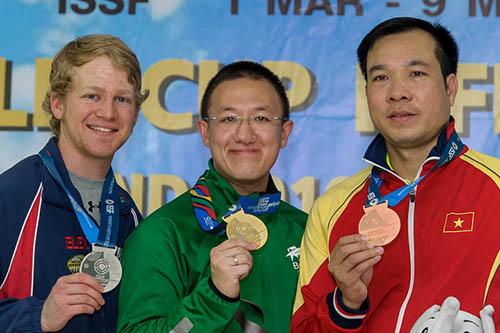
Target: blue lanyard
107	234
451	150
256	205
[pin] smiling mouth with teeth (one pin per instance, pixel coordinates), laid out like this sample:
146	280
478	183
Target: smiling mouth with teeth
101	129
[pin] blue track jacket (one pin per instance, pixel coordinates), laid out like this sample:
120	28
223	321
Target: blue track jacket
39	234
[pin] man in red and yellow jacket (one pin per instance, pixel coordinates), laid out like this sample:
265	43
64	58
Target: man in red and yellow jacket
421	223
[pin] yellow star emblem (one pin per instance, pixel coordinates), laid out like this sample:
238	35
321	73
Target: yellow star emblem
458	223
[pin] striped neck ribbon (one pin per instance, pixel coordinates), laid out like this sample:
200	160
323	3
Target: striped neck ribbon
204	210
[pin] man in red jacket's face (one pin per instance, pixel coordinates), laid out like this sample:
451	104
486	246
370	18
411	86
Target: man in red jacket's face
408	98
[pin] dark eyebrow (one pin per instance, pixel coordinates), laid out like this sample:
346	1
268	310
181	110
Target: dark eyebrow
376	68
417	63
411	63
226	108
229	108
101	90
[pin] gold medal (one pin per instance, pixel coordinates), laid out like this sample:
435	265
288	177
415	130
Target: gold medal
246	227
380	223
74	263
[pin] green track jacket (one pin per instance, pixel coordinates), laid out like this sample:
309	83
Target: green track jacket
166	270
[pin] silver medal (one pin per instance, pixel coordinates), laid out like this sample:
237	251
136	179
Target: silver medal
102	264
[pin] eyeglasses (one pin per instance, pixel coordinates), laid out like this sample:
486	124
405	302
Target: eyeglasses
257	121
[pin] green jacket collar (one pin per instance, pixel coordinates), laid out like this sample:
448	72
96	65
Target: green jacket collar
223	194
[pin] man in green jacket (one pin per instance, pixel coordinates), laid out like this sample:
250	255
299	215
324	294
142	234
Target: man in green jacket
222	257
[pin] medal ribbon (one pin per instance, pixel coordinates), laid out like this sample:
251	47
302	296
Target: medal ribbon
257	205
203	206
451	151
205	213
107	234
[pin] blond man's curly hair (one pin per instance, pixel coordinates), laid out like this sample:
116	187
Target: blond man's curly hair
82	50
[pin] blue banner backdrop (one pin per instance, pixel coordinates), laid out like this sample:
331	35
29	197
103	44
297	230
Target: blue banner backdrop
311	44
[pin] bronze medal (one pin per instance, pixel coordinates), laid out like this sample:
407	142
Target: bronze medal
380	223
247	227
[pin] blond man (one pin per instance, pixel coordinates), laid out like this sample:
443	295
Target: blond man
59	268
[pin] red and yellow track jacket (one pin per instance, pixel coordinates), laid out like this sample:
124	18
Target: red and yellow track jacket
448	244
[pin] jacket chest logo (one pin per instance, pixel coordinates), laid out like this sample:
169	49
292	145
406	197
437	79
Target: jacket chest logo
293	253
459	222
76	243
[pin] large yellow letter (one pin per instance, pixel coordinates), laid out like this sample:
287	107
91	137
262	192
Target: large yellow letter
298	75
42	72
157	79
306	188
467	97
281	187
362	116
9	118
159	184
496	97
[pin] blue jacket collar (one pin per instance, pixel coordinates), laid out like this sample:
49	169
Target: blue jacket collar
377	151
58	197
